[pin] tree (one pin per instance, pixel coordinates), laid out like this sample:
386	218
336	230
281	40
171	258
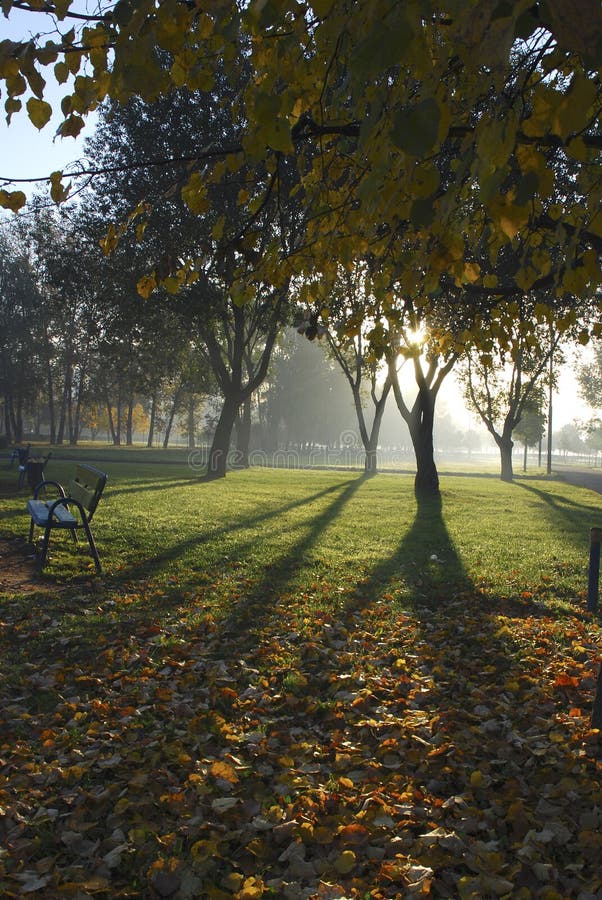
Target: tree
568	438
531	428
365	99
589	376
351	349
239	344
234	314
500	383
437	137
593	435
19	335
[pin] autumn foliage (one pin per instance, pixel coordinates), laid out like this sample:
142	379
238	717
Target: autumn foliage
291	726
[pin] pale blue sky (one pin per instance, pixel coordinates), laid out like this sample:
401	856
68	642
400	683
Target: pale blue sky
26	152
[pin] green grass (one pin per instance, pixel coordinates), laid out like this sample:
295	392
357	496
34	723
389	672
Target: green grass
303	661
161	522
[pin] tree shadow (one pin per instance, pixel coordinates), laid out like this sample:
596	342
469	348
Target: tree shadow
177	550
249	614
426	566
567	514
413	719
457	712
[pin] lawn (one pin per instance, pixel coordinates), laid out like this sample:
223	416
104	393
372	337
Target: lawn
301	684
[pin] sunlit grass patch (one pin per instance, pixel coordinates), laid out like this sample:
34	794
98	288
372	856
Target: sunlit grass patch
287	682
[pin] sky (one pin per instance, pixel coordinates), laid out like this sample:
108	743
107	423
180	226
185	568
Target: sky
26	153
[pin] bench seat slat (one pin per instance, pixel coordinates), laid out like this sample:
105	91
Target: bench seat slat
38	510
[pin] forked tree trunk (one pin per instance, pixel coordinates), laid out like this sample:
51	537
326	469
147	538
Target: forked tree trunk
191	427
420	420
218	455
426	482
505	445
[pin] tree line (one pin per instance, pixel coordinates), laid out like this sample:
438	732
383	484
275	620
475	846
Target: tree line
420	189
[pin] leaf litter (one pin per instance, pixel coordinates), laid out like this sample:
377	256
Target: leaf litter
351	751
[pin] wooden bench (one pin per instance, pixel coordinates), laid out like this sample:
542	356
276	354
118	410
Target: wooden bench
72	509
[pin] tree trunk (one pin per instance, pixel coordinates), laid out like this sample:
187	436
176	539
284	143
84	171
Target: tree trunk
220	446
119	422
129	435
65	405
191	422
371	459
7	423
505	444
525	458
426	482
172	414
51	410
420	421
243	434
151	425
597	708
110	418
79	400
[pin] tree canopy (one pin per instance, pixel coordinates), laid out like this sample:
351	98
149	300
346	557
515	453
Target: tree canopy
431	136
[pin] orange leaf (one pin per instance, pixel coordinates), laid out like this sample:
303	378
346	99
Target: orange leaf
564	680
354	834
224	770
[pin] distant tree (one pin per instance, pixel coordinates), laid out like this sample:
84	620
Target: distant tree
351	349
589	377
531	428
568	438
305	401
501	381
593	435
20	376
447	434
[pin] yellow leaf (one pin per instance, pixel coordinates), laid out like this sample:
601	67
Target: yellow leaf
471	272
252	888
57	191
13	200
146	286
202	850
346	862
233	881
224	770
476	779
61	72
39	112
346	783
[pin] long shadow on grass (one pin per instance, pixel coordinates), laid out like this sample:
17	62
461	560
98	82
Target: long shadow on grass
566	515
248	617
449	701
176	551
154	485
426	565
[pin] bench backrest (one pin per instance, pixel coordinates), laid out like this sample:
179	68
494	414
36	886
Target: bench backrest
86	487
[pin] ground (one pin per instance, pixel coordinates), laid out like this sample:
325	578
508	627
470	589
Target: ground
18	571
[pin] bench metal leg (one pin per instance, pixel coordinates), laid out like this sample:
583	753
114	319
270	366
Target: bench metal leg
44	551
93	548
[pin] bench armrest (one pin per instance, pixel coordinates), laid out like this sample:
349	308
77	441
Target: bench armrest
66	502
44	484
